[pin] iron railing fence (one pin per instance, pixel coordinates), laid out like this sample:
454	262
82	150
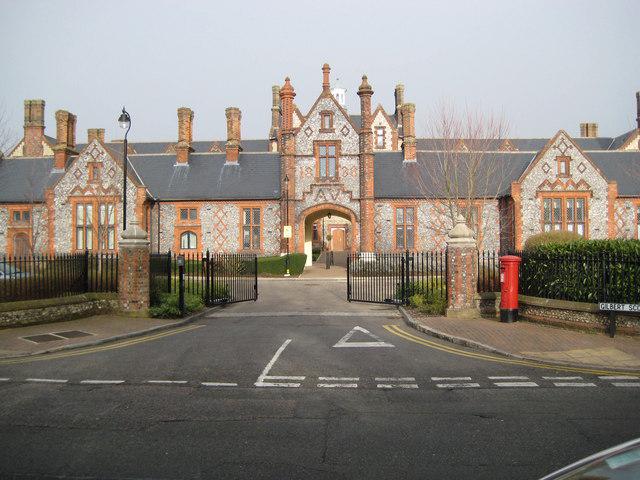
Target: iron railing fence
488	271
579	277
48	276
217	278
591	278
394	277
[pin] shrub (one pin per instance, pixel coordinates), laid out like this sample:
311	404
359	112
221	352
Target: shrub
551	237
275	265
168	306
429	303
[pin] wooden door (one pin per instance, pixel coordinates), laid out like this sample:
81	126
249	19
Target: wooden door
337	239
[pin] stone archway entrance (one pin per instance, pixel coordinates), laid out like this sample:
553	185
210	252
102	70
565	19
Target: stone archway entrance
343	229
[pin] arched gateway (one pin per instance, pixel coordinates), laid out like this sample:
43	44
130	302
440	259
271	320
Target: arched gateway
309	216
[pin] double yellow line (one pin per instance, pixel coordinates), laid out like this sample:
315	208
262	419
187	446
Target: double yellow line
396	330
98	348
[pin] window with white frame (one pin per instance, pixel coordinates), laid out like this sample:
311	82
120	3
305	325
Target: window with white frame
188	241
84	226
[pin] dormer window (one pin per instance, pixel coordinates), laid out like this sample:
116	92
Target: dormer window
326	121
380	134
564	166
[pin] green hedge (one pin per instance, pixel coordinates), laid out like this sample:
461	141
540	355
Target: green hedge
427	296
275	265
583	271
551	237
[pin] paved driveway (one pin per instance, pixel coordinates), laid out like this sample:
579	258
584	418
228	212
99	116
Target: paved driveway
302	384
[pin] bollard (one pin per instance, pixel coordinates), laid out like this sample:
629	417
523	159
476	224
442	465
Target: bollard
181	284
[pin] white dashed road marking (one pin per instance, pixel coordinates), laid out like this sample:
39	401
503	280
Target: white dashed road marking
450	379
338	379
618	377
4	379
337	385
102	382
574	384
46	380
167	382
515	384
626	384
514	377
562	378
387	386
218	384
458	385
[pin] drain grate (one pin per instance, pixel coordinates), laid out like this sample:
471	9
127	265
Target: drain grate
73	334
45	337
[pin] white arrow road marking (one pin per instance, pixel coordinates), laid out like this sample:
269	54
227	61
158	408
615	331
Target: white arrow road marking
344	341
263	376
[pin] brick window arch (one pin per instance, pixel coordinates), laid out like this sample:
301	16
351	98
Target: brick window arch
188	241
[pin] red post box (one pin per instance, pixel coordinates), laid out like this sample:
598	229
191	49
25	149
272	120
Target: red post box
509	265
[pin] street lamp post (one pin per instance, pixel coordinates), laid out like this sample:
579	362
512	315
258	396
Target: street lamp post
286	193
125	123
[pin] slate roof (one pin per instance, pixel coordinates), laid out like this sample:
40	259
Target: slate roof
618	141
23	180
524	144
208	177
394	178
200	146
623	167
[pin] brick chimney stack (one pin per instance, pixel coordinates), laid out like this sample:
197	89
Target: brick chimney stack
326	85
399	96
33	128
185	135
287	93
366	168
589	130
638	116
275	113
409	131
234	116
66	138
95	134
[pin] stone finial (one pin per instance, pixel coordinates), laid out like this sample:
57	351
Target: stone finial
134	235
460	233
365	88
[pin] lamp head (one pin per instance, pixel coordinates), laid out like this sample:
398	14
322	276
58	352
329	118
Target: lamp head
124	120
329	215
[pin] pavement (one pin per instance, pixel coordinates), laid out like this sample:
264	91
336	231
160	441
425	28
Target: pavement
43	338
302	384
319	270
534	341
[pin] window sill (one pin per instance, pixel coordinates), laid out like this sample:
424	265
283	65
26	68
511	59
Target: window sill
327	130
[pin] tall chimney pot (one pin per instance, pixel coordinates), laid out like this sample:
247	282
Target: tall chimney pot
65	137
233	148
185	135
326	85
409	131
33	128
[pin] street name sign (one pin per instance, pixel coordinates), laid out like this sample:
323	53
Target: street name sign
620	307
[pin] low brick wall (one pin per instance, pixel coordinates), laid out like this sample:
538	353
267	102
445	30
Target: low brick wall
563	313
32	312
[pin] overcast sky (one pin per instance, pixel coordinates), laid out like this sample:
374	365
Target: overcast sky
545	64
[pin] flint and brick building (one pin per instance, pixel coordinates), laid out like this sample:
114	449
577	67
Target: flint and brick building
366	167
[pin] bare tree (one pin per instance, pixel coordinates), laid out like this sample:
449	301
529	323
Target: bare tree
464	167
7	135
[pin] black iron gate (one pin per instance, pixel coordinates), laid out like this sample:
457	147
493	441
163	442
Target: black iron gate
393	278
219	278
